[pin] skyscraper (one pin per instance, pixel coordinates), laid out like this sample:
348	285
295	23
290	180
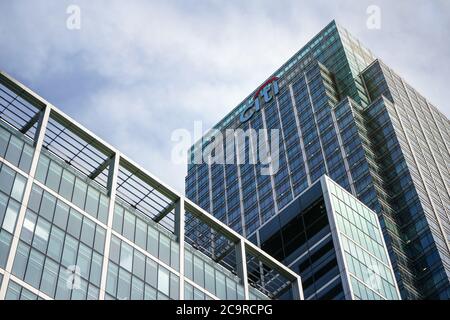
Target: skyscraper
341	112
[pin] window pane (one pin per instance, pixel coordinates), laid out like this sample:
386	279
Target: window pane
124	284
118	219
151	272
99	243
67	183
209	278
220	286
137	289
84	260
35	198
34	268
4	140
231	289
198	271
6	179
49	277
96	269
114	249
70	251
152	241
42	168
3	204
13	292
93	293
139	264
141	233
47	206
54	176
112	277
14	150
88	232
126	256
164	249
63	290
150	293
174	286
55	244
92	201
19	186
41	235
12	211
174	255
188	265
28	227
163	280
79	193
74	225
129	222
27	156
20	261
61	215
103	208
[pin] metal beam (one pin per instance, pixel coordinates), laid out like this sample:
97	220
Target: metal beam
165	212
31	122
100	168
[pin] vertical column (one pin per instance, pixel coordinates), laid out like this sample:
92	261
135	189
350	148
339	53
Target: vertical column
297	289
112	186
39	139
241	264
179	231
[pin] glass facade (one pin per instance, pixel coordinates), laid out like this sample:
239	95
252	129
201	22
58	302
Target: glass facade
334	242
343	113
79	220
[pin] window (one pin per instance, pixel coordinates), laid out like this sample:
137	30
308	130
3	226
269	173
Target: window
92	201
163	280
9	222
137	289
88	232
164	249
151	272
55	243
99	242
118	219
79	193
209	278
152	241
96	268
126	256
54	176
47	206
114	249
70	252
129	223
84	260
49	277
220	286
198	271
28	227
20	261
6	179
139	264
141	233
103	208
112	277
67	183
124	284
61	215
41	235
42	167
74	225
34	268
18	187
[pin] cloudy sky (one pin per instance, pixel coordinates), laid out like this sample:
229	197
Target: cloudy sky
137	70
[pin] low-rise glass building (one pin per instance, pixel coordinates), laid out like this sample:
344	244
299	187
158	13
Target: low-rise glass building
79	220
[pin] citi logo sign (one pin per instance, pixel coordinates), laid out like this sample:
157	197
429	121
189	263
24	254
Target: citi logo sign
267	91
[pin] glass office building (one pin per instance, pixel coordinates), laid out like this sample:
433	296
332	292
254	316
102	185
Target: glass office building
79	220
335	243
341	112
